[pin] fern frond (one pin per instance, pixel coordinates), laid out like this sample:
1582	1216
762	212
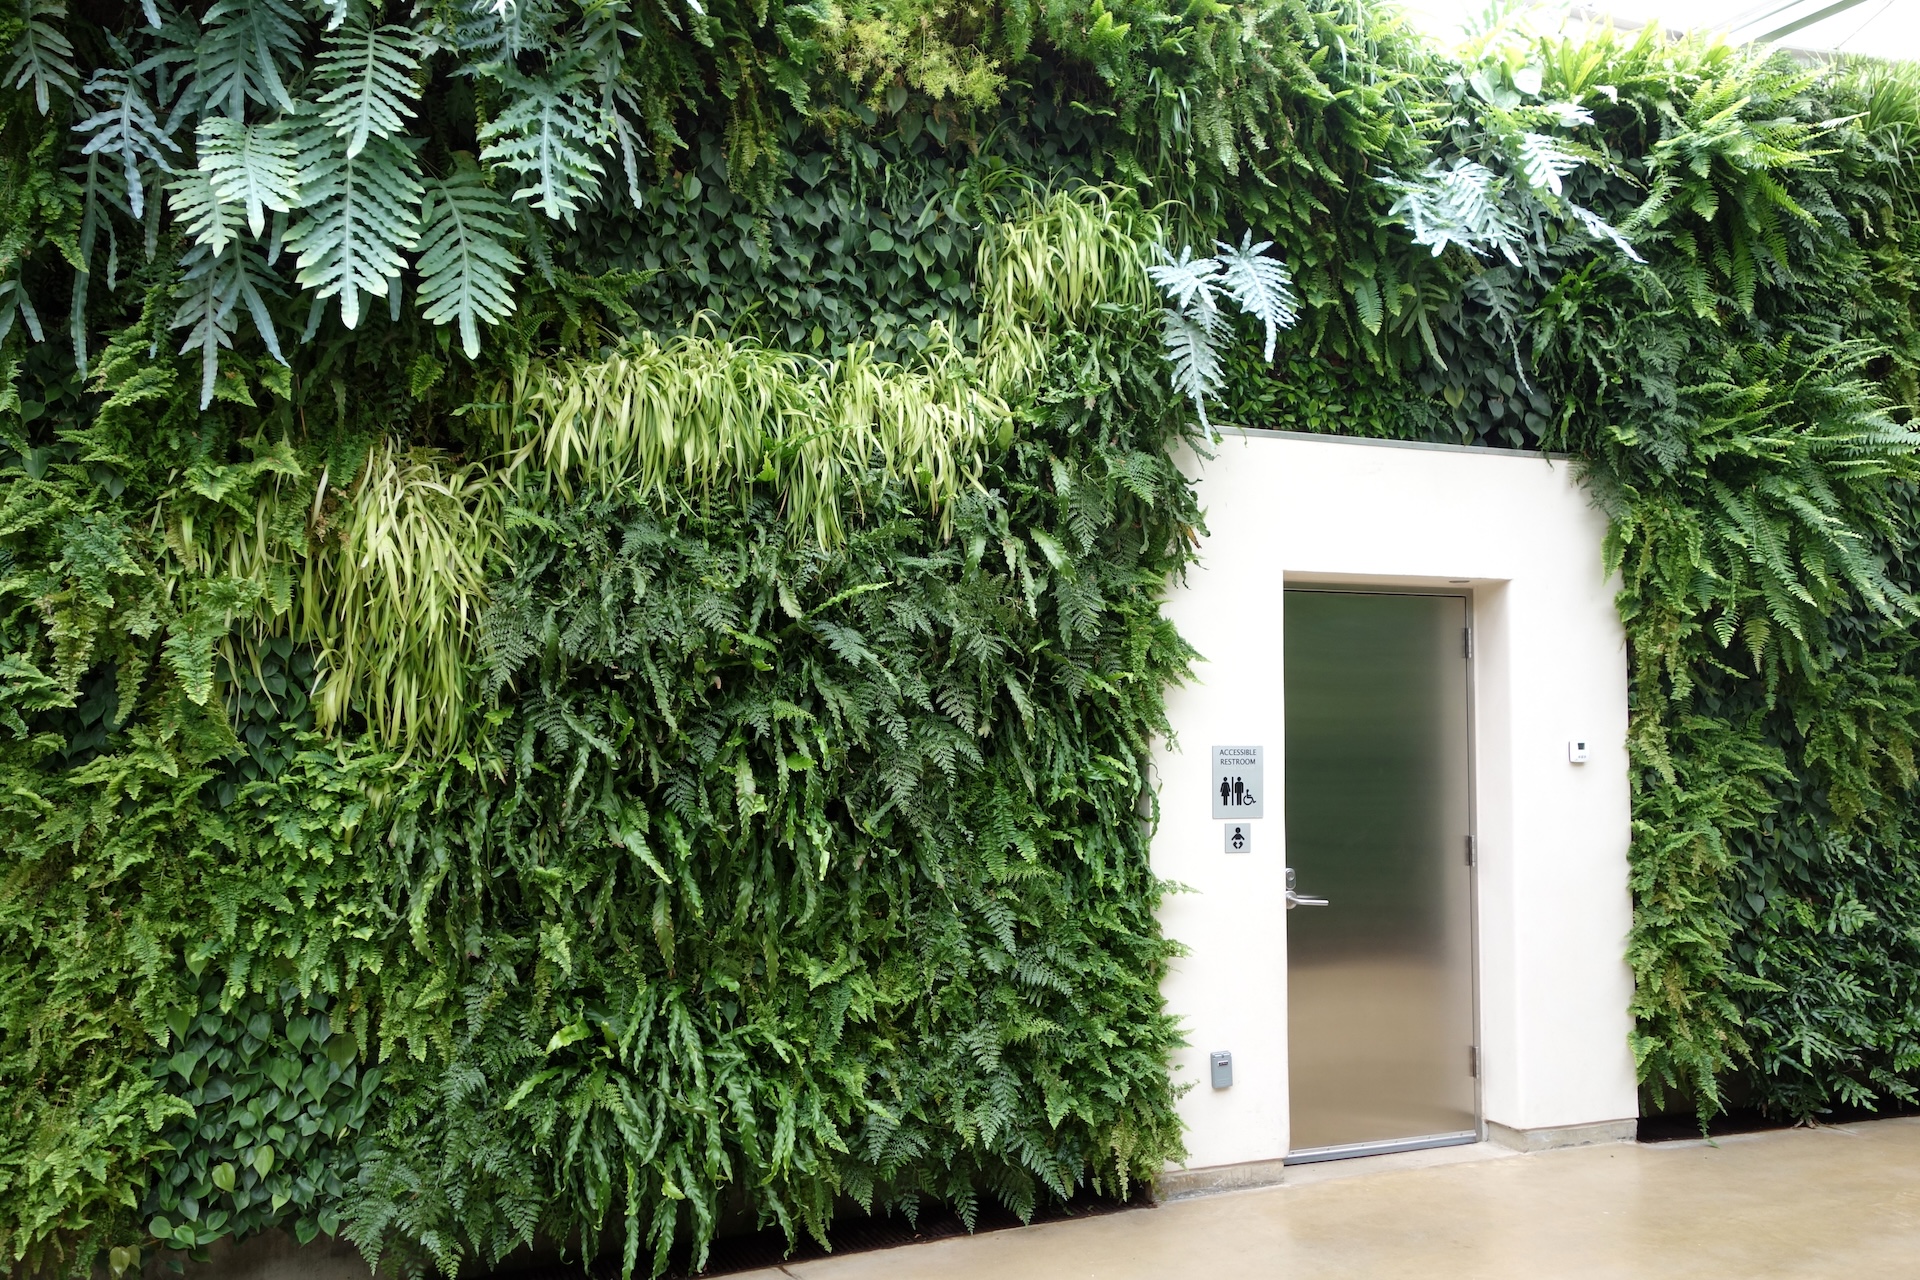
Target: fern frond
1544	163
547	135
499	31
1262	286
242	51
1600	229
42	54
362	213
466	265
250	166
372	73
211	290
15	304
602	51
1191	282
210	220
1194	358
1455	204
126	128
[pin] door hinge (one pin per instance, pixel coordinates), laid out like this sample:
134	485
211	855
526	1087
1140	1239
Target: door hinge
1473	1061
1470	851
1466	642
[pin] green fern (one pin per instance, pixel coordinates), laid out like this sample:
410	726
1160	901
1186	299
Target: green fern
547	134
371	71
42	53
466	263
361	215
244	55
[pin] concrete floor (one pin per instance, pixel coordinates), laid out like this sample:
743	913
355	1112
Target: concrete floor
1837	1202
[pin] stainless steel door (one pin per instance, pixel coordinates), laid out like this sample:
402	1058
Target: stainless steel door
1379	980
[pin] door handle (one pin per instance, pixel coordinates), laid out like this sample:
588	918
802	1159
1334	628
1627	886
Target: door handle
1300	900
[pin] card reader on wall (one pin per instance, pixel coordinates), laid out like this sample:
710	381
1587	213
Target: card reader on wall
1222	1062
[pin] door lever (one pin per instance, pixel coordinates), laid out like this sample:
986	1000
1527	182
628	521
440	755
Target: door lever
1300	900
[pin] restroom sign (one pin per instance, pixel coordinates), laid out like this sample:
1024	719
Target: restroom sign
1239	791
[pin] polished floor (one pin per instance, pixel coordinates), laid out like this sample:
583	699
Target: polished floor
1839	1202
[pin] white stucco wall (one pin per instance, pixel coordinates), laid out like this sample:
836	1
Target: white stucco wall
1549	665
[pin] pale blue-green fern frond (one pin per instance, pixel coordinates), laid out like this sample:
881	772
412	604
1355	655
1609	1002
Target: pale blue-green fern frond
42	54
547	134
466	265
246	50
125	128
361	214
213	288
371	73
250	166
1261	285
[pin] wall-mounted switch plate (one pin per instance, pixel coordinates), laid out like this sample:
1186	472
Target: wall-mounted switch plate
1222	1063
1576	751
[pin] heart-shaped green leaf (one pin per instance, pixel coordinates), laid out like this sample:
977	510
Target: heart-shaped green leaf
342	1049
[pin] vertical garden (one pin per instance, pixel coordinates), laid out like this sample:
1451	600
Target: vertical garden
580	579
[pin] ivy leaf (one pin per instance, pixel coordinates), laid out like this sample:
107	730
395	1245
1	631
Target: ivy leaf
466	265
249	165
372	70
42	54
341	1049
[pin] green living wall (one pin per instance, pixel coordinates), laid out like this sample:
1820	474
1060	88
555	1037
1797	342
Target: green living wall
579	582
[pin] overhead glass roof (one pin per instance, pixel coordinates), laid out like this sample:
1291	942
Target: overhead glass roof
1879	28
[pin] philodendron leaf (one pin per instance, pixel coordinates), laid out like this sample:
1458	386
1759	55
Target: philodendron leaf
342	1049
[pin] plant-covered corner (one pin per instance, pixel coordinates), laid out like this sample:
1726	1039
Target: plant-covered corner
580	582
